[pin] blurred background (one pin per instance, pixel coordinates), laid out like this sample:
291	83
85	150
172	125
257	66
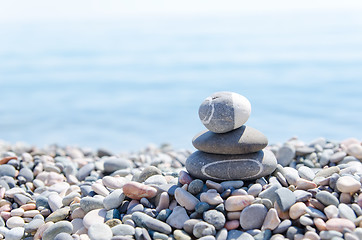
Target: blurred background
122	74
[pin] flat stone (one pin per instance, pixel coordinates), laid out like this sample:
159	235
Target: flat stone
177	218
239	141
337	157
327	172
283	226
215	218
94	217
151	223
113	182
137	190
114	199
84	171
302	196
202	229
306	173
219	167
122	230
91	203
232	184
56	228
327	198
58	215
253	216
186	199
148	172
112	164
224	111
238	203
285	155
348	184
285	198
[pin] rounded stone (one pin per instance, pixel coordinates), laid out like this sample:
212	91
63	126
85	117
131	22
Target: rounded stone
239	141
27	174
112	164
348	184
56	228
100	231
238	203
253	216
340	224
186	199
114	199
148	172
195	187
137	190
202	229
33	225
219	167
7	170
285	155
177	218
215	218
16	233
285	198
94	217
14	222
63	236
327	198
224	111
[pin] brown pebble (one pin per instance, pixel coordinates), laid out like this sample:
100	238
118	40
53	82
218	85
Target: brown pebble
233	224
297	210
135	190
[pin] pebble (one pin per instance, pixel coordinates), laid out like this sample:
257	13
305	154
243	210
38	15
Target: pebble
16	233
56	228
215	218
271	220
112	164
218	167
340	224
238	203
211	197
285	155
285	198
239	141
114	199
14	222
202	229
94	216
253	216
224	111
135	190
63	236
186	199
348	184
178	217
122	230
151	223
195	186
327	198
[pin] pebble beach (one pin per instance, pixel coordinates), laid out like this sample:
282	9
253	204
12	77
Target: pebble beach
74	193
234	186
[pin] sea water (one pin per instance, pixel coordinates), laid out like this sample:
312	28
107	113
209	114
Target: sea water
121	84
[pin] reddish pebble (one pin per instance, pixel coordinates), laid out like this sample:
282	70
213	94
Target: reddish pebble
320	224
238	203
5	215
7	159
233	224
137	190
340	224
184	178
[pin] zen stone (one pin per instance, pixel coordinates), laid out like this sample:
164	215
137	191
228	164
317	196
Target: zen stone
219	167
239	141
224	111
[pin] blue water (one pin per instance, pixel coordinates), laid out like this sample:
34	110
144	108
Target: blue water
122	84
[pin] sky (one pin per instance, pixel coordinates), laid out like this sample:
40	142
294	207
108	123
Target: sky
24	10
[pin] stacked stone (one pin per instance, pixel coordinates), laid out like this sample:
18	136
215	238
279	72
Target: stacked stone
229	150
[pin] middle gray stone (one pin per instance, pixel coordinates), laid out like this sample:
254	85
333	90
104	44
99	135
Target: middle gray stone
220	167
239	141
